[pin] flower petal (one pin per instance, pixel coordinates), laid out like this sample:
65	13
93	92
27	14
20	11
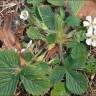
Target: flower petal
23	50
94	31
29	44
24	15
89	18
86	23
94	21
89	41
94	43
89	32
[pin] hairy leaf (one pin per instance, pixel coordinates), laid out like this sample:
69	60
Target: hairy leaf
59	90
9	72
73	21
34	81
47	16
76	82
33	33
57	75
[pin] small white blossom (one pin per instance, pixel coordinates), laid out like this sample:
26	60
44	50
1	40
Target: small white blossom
24	15
91	31
91	38
90	23
28	46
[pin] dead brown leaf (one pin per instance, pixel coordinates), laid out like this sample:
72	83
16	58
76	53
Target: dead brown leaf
9	37
88	9
51	53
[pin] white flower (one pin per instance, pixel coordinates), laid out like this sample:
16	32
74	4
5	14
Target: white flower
91	31
91	38
90	23
24	15
28	46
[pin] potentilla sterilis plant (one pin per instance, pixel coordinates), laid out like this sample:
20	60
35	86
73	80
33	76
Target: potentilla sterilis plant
91	31
24	15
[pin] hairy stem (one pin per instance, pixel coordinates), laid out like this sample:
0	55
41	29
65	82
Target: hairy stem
61	53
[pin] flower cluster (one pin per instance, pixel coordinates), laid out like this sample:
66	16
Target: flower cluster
90	23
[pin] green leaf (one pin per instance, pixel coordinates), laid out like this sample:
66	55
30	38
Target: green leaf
62	13
59	90
57	75
76	82
34	81
51	38
90	66
56	2
46	15
73	21
79	53
75	5
59	27
70	64
9	72
34	33
80	35
43	67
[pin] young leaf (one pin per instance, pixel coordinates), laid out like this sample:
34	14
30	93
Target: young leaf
59	90
76	82
56	2
76	50
34	81
9	72
34	33
57	75
73	21
59	27
46	15
51	38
